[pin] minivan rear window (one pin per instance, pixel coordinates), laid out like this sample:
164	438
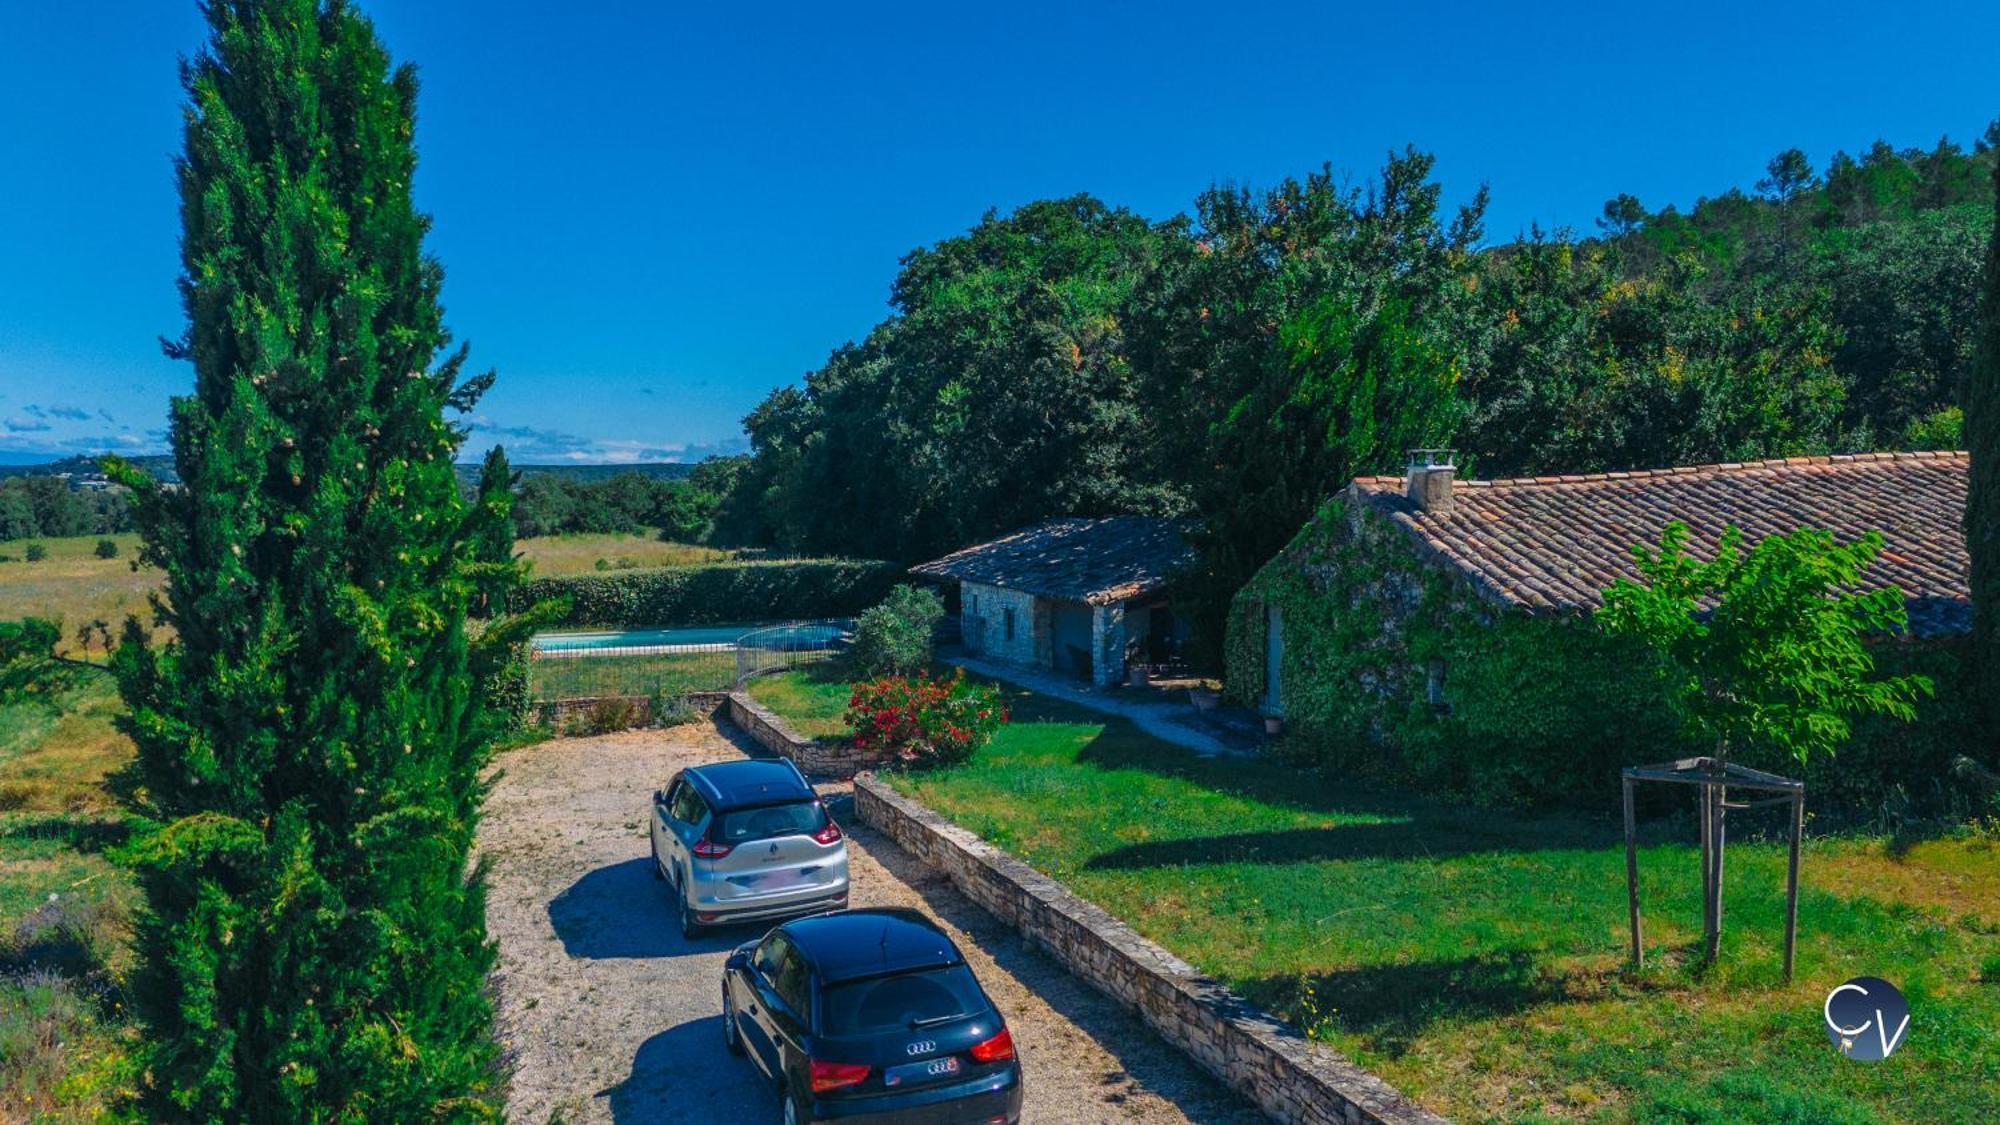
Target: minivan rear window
801	818
897	1003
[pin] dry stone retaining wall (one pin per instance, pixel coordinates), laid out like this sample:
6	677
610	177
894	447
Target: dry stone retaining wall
773	733
1291	1078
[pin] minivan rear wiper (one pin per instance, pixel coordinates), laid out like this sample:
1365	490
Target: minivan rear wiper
933	1021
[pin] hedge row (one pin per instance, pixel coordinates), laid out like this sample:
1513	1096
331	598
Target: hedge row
715	594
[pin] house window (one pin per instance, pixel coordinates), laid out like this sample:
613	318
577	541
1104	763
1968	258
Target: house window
1010	622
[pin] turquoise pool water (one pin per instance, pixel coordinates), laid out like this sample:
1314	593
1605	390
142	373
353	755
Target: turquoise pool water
772	635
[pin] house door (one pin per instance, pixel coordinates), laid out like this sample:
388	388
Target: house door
1274	658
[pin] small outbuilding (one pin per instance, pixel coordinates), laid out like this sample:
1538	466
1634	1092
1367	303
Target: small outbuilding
1084	597
1438	630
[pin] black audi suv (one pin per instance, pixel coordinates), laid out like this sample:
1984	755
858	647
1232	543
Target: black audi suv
870	1016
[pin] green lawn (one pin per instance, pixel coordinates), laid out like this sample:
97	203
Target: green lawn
813	699
1476	958
668	674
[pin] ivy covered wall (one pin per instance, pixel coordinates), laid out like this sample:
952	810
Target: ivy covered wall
1393	669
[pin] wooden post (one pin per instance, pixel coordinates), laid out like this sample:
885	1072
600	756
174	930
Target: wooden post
1707	864
1721	848
1792	880
1632	875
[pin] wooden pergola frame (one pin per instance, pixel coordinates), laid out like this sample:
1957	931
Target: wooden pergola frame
1716	777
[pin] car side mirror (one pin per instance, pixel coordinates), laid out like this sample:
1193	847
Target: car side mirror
660	797
737	962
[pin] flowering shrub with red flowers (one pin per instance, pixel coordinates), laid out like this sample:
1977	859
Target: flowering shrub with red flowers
924	720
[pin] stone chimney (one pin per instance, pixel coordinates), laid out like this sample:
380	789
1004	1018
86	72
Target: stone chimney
1429	486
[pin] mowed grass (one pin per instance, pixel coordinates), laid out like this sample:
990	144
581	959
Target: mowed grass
812	699
1477	959
666	674
556	555
73	585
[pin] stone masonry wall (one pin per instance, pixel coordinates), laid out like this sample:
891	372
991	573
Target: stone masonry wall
813	757
1291	1078
986	626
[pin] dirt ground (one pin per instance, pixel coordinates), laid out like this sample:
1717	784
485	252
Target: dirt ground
609	1015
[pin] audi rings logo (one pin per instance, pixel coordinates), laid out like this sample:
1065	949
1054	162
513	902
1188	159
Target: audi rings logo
922	1047
1866	1018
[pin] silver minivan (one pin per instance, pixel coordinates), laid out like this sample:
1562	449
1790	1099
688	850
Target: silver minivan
746	841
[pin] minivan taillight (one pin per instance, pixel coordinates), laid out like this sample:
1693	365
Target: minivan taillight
832	1076
706	848
828	835
997	1049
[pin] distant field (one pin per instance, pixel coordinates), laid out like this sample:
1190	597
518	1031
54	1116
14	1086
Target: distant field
73	584
555	555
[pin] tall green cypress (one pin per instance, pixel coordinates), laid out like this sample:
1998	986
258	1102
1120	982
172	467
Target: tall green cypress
309	741
1982	511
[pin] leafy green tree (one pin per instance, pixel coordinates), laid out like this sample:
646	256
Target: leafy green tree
310	743
1623	215
1764	651
107	549
29	666
35	552
894	638
1982	512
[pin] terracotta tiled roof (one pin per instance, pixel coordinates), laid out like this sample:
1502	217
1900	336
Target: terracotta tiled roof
1098	561
1553	543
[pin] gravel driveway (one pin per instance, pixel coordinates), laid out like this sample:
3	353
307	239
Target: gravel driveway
609	1015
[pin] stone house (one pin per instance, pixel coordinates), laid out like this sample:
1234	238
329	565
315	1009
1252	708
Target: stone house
1437	630
1084	597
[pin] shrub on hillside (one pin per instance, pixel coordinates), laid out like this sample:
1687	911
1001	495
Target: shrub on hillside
894	638
924	720
720	593
36	552
107	548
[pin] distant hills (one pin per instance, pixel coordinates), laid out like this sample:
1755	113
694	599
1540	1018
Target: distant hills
162	466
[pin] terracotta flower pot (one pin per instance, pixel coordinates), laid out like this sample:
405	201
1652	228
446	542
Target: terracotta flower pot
1204	699
1274	725
1137	677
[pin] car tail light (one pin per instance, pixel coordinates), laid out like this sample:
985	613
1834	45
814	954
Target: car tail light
832	1076
1000	1048
828	835
709	849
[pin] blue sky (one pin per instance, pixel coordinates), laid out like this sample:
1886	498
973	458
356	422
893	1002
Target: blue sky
651	214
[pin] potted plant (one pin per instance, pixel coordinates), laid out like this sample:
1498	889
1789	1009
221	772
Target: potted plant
1274	725
1204	698
1137	676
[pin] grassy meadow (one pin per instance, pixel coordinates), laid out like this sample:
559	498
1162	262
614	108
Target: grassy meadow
1477	958
73	584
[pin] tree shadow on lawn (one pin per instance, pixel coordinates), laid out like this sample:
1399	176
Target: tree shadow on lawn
1429	838
1390	1006
90	834
621	910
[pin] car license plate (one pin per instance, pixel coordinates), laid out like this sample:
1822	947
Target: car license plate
920	1071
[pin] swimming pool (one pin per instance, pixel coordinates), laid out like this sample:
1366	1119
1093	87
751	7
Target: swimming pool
801	635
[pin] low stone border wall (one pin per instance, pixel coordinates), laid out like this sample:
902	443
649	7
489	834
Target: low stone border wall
773	733
1289	1077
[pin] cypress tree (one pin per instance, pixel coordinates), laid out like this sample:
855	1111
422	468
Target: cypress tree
309	741
1982	512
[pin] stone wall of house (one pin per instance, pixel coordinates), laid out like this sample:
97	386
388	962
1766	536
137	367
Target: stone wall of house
815	758
1291	1078
982	617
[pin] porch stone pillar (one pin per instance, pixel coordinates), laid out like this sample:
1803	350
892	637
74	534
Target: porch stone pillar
1107	644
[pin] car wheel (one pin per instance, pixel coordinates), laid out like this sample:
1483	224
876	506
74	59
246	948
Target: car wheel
689	927
794	1113
732	1038
658	871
